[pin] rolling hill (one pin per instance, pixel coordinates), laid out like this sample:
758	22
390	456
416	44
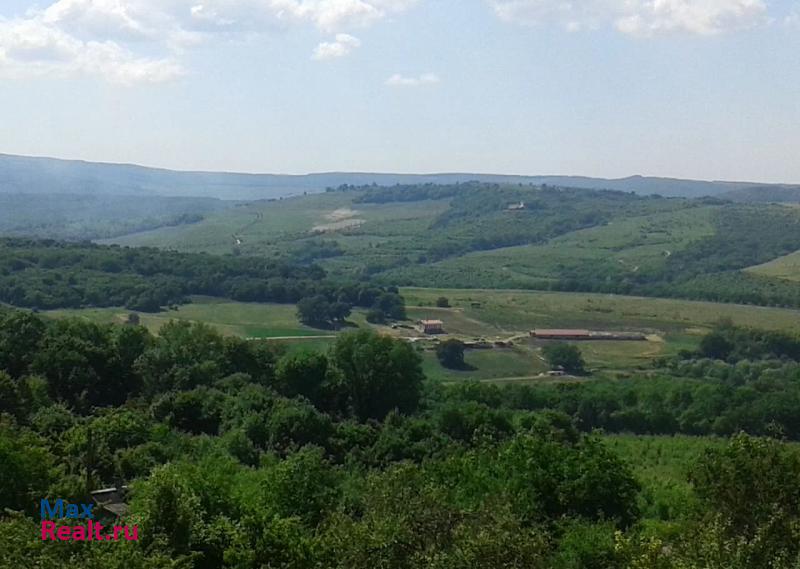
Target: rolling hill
471	235
35	175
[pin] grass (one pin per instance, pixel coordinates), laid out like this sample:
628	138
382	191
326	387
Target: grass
248	320
634	244
487	365
514	310
269	228
787	268
672	325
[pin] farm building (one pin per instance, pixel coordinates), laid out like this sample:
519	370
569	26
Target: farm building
432	326
544	334
577	335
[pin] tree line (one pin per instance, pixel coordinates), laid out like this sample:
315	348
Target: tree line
240	454
46	274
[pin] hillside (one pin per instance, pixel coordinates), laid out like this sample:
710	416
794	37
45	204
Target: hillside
563	239
765	194
78	217
21	174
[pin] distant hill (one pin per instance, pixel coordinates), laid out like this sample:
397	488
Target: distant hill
765	194
19	174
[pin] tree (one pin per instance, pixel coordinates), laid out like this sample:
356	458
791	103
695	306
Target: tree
752	504
750	482
170	510
716	346
318	311
451	354
377	374
302	374
183	356
442	302
392	305
20	335
376	316
314	310
550	479
339	312
304	485
10	399
566	356
25	470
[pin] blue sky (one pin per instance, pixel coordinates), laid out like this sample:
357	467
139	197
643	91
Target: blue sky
688	88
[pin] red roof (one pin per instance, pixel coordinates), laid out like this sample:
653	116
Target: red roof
562	333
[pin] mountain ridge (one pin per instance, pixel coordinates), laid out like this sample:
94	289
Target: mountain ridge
44	175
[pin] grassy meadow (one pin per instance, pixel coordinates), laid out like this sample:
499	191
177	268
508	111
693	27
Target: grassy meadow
634	244
671	325
248	320
787	268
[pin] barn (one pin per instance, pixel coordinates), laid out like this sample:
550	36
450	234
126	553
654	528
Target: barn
432	326
559	334
578	335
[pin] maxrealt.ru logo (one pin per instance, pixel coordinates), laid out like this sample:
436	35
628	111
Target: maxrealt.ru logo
90	531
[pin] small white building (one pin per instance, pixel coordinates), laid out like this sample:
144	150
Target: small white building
432	326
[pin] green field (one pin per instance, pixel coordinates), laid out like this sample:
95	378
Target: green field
563	239
787	268
385	236
671	325
629	245
508	311
365	232
248	320
516	362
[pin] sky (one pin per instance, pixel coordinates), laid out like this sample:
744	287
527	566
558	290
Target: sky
705	89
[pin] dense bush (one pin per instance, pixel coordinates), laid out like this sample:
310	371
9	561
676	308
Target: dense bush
238	455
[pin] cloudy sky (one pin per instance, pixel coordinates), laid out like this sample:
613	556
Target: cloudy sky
691	88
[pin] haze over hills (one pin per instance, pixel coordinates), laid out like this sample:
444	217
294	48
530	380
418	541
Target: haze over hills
35	175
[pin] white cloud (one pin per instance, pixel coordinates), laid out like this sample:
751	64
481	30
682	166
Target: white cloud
130	41
332	15
398	80
343	45
637	17
326	15
32	47
97	17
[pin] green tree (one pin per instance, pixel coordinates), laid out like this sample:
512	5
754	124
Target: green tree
169	511
451	354
25	465
752	500
304	485
392	305
20	335
377	374
716	346
183	356
302	374
376	316
314	311
566	356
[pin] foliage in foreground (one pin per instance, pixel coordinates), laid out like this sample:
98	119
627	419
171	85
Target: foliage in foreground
241	456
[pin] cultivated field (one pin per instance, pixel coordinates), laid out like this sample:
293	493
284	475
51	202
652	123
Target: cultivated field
632	245
507	316
787	267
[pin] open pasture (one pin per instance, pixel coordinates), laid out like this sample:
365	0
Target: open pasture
502	315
